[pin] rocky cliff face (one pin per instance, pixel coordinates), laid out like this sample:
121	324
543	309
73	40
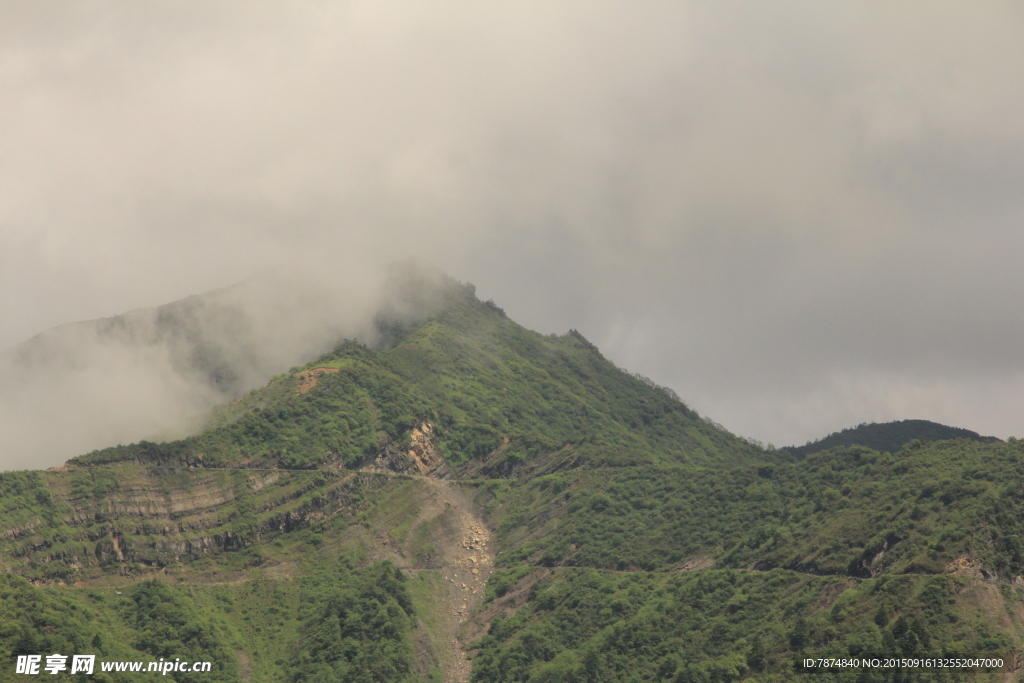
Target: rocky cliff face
422	457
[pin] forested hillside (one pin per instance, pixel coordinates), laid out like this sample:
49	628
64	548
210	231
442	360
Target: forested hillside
470	500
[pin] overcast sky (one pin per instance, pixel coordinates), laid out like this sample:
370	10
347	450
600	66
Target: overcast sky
799	215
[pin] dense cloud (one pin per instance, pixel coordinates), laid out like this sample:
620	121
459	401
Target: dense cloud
155	372
800	216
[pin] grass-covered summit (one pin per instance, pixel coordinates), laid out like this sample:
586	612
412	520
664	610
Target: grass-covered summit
455	376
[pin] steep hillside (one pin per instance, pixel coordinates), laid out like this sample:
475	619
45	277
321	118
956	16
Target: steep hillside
888	437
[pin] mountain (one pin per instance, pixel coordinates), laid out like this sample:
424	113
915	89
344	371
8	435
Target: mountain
889	436
481	394
459	498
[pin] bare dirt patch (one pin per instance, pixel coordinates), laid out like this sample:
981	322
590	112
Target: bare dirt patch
244	667
965	566
309	378
697	563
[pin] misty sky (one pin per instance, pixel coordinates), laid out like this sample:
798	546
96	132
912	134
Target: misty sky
799	215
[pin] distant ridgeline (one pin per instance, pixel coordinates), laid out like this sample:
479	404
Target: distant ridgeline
888	437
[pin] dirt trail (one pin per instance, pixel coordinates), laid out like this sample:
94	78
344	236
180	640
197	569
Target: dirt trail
244	666
468	560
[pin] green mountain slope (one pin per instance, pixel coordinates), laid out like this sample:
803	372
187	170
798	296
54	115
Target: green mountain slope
470	487
748	570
